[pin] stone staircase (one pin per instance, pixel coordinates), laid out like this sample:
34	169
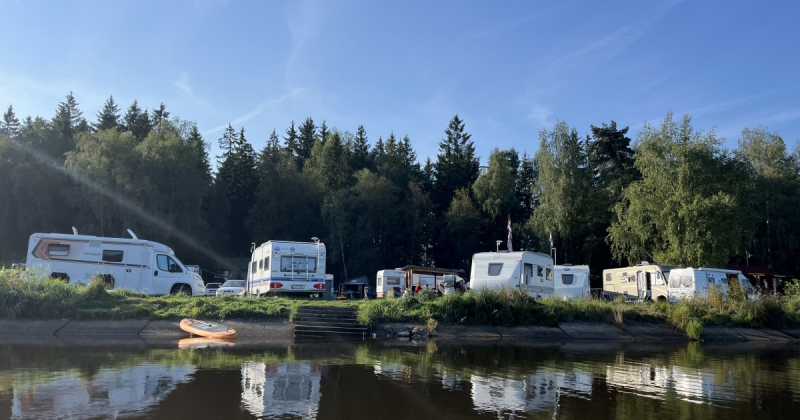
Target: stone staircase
327	322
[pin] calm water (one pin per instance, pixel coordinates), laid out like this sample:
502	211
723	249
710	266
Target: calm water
134	379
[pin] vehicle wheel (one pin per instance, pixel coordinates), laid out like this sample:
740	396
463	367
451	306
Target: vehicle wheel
181	288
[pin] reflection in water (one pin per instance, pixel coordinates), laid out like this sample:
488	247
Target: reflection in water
381	380
290	389
110	392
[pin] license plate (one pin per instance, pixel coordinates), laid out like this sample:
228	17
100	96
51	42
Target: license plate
298	286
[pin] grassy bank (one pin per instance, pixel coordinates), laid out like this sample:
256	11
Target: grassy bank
23	296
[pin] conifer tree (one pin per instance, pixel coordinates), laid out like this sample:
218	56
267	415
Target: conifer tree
108	117
456	165
137	121
10	124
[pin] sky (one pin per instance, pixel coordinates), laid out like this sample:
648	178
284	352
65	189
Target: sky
508	69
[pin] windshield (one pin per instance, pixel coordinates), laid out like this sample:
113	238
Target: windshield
234	283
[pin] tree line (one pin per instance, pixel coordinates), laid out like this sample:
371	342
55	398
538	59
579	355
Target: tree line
675	195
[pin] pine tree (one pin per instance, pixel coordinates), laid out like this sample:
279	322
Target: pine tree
109	116
67	123
137	121
291	140
456	165
10	123
359	151
227	143
307	135
323	132
159	116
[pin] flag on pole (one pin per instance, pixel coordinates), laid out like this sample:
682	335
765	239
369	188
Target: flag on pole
510	248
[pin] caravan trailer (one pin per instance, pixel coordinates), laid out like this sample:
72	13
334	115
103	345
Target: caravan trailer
571	281
690	283
531	272
292	268
641	282
389	281
135	264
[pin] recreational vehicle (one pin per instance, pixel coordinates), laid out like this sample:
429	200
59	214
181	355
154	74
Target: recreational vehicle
281	267
135	264
641	282
690	283
571	281
389	282
530	272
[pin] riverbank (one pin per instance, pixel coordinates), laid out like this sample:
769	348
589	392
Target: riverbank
474	314
280	330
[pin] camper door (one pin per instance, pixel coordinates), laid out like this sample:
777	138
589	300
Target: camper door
165	273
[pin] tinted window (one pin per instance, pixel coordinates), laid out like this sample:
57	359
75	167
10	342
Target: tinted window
266	263
567	278
539	270
253	267
110	255
260	264
608	276
549	273
494	268
393	281
58	250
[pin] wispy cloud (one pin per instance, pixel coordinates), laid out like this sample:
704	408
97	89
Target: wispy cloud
539	114
183	84
304	24
726	105
259	109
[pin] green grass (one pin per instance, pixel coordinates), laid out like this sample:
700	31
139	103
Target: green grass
24	296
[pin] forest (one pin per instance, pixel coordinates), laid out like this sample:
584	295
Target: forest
674	195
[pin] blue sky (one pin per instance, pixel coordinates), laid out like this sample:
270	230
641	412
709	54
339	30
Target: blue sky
509	69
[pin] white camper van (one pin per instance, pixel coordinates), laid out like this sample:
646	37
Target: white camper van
571	281
531	272
282	267
641	282
690	283
135	264
389	281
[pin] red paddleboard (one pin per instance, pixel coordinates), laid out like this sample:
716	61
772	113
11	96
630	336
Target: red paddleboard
207	329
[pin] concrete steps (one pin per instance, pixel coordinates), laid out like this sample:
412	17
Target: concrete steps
327	322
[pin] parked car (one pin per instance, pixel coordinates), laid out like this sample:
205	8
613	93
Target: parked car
232	288
211	288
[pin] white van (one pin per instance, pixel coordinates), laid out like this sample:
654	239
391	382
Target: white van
531	272
571	281
389	281
136	264
691	283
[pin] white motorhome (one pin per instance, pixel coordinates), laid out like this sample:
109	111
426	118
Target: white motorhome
571	281
530	272
389	281
690	283
135	264
641	282
281	389
282	267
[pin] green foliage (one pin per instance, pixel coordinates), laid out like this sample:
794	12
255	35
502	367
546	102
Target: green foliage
686	208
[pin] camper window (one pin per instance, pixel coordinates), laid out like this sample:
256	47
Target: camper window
110	255
567	278
393	281
58	250
494	269
549	273
260	264
608	276
674	281
659	280
253	267
266	264
539	271
686	281
298	264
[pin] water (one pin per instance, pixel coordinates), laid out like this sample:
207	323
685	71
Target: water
134	379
